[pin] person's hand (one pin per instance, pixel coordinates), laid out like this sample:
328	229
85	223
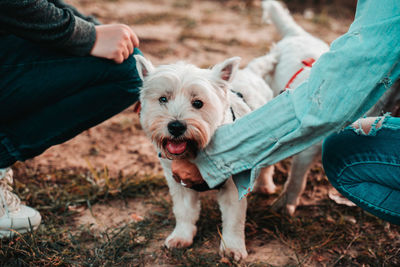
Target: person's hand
183	171
115	42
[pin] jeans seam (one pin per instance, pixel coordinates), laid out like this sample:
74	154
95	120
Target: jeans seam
383	200
371	205
363	162
339	182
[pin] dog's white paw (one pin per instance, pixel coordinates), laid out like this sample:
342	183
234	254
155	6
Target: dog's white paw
181	237
235	249
237	254
281	204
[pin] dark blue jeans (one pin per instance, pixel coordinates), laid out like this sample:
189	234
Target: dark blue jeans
47	97
366	168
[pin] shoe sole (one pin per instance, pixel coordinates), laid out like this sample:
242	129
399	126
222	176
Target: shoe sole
10	233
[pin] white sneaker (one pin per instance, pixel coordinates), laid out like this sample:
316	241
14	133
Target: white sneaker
14	217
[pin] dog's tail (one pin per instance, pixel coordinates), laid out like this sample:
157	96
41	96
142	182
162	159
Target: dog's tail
280	16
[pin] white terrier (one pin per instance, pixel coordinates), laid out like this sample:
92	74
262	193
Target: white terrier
294	53
181	107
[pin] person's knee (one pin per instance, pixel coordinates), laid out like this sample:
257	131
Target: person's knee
368	126
126	71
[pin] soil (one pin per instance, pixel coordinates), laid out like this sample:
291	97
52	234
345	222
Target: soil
203	33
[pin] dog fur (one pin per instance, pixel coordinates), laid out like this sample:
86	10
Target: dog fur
169	94
296	45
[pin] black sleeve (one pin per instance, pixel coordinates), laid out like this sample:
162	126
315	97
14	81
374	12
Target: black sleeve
62	4
43	22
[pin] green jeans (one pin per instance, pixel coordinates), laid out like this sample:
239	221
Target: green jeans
47	97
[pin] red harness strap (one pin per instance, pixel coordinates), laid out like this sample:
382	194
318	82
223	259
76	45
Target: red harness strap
308	62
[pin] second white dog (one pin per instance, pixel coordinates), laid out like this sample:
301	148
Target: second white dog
294	53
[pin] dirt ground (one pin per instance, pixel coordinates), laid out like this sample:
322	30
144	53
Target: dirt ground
200	32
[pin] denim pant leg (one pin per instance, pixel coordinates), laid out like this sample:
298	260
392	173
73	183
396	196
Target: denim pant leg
47	97
366	168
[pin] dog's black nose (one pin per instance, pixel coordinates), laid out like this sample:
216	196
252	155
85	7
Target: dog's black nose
176	128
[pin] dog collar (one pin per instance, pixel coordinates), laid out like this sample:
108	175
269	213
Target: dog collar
241	96
308	62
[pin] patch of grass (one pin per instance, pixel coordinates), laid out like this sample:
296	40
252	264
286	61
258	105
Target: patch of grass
56	242
325	234
191	257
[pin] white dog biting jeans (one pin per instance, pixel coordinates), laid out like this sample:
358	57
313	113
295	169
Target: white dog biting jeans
181	107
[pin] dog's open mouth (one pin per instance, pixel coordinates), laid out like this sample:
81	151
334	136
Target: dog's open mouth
176	147
180	148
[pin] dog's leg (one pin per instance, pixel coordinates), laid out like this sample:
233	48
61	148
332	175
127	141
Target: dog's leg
186	208
294	186
233	222
265	183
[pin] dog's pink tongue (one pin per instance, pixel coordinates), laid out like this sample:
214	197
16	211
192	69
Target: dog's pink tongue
176	148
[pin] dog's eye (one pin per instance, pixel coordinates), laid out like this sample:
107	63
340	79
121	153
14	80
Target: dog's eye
197	104
163	99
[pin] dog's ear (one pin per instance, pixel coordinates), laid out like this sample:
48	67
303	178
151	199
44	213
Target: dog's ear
143	66
227	69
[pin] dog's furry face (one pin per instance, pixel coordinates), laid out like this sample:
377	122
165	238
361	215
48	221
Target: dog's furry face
182	105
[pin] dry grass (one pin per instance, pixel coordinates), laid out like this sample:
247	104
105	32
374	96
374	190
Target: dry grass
325	234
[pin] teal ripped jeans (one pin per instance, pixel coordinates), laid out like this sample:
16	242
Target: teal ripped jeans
366	168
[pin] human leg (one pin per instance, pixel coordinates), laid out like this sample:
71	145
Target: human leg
47	97
364	165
